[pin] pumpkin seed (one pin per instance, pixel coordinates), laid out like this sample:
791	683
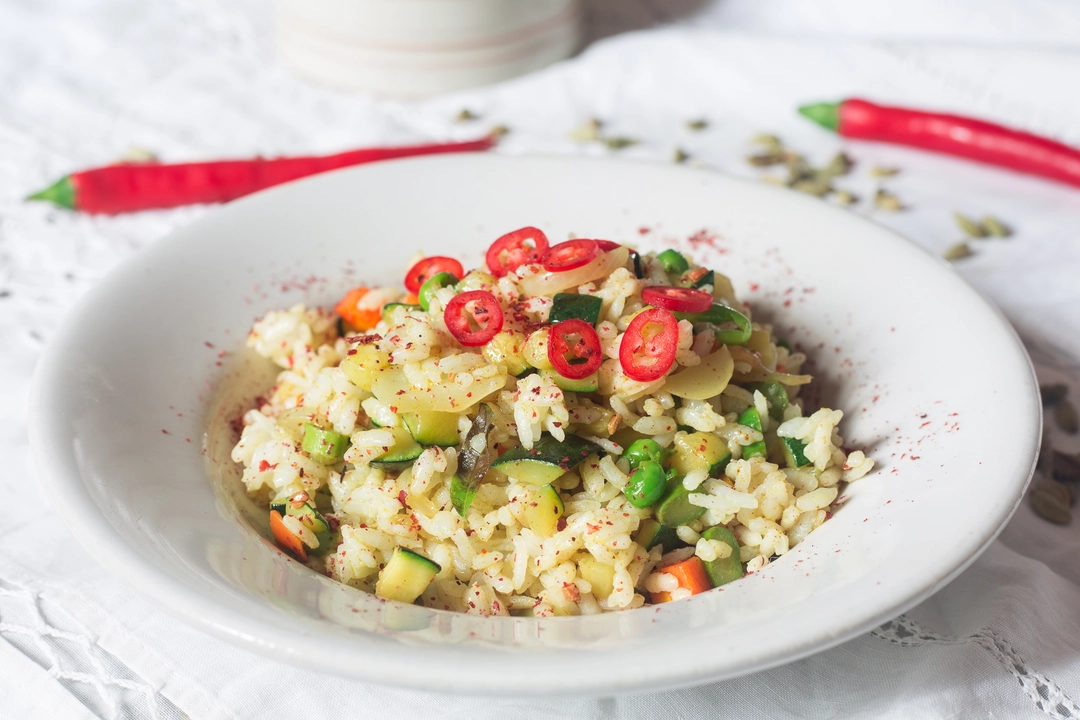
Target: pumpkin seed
1057	489
588	132
1050	507
1052	393
1065	467
846	198
885	200
996	228
681	155
969	226
958	251
841	164
698	125
765	159
771	143
817	188
466	115
1065	414
618	143
883	172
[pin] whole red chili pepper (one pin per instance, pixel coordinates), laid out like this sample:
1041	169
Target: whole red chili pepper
128	187
951	134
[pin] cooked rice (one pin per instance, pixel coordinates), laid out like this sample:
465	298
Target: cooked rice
492	563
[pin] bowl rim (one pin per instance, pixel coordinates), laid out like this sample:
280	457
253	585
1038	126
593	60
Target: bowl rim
75	505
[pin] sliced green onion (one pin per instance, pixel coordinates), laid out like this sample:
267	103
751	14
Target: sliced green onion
673	262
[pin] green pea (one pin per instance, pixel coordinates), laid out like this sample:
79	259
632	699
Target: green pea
646	484
673	262
434	283
642	450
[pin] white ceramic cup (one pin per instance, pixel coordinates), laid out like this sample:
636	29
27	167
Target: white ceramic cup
410	48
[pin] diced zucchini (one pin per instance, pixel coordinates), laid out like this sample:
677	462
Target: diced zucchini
548	459
507	348
794	452
363	365
406	576
599	574
675	508
700	451
281	506
543	511
751	418
325	447
567	305
724	570
402	454
651	533
585	385
388	310
433	428
775	394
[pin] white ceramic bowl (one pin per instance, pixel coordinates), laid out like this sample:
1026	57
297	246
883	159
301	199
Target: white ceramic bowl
934	381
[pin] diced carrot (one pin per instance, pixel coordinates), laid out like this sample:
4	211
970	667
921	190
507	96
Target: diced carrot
691	575
411	299
284	536
354	317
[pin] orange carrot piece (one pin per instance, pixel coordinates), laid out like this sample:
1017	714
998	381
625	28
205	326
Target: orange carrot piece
354	317
691	575
411	299
285	538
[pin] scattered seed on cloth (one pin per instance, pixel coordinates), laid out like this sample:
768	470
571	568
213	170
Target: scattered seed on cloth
969	226
1065	415
996	228
958	251
1052	393
885	200
1050	507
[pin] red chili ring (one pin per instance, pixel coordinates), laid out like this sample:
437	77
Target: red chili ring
512	250
677	299
420	272
585	352
477	308
570	255
659	347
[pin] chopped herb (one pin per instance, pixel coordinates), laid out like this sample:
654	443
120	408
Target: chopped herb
957	252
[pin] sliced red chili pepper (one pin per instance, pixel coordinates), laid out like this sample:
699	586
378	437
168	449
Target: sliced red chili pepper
420	272
574	349
648	348
473	317
514	249
677	299
607	245
570	255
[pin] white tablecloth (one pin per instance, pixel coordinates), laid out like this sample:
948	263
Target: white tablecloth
81	82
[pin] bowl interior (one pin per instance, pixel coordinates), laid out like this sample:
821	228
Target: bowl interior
934	384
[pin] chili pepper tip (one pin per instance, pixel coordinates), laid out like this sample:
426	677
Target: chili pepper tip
61	193
827	115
